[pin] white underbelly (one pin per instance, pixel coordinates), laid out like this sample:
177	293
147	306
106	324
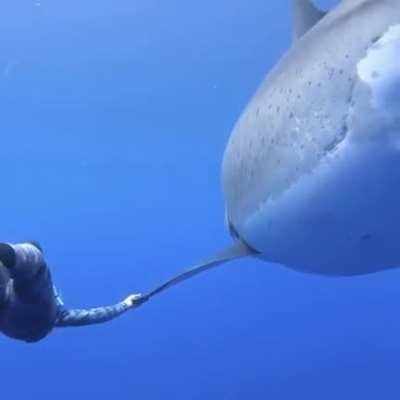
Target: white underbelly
344	218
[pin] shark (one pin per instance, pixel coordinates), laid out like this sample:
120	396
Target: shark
311	171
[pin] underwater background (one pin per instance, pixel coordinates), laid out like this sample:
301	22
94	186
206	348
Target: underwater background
114	119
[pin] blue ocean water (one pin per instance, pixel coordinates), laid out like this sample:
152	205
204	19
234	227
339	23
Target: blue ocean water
114	120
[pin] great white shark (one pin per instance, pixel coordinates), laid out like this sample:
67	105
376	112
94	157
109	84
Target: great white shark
311	172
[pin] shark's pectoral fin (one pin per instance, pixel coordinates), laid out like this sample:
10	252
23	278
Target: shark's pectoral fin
305	16
237	250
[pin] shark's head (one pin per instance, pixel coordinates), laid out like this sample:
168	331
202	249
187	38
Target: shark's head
309	173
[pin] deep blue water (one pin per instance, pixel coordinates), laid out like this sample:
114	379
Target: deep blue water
114	119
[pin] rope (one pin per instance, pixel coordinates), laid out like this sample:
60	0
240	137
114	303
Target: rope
236	251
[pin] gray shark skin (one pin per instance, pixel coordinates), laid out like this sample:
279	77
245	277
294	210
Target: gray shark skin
311	173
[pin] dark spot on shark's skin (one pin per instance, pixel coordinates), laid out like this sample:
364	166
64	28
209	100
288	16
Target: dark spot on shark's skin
375	75
374	43
337	140
375	39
